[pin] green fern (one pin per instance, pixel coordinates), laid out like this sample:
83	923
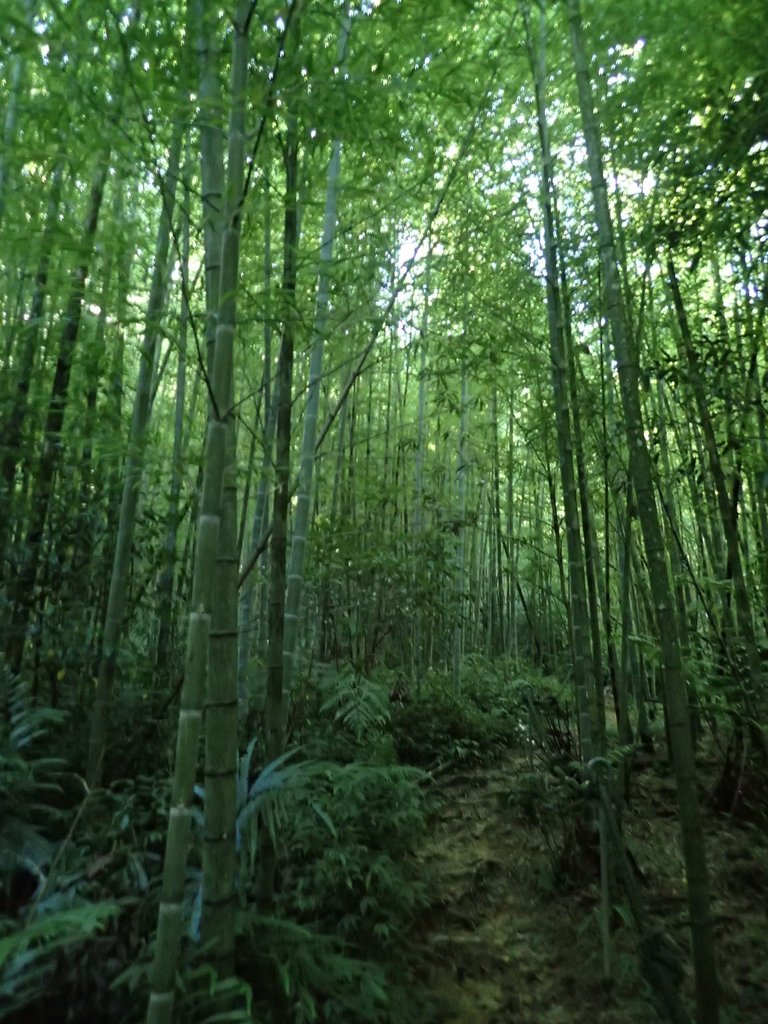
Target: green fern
54	930
202	993
359	705
38	923
318	977
28	786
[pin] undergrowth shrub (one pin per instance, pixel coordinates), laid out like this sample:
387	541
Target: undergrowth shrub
345	824
551	794
314	976
76	875
347	867
345	715
556	803
345	819
440	729
40	924
31	789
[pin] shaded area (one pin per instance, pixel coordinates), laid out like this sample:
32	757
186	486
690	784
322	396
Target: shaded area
502	945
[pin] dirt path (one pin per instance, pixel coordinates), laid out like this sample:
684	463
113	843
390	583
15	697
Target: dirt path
499	950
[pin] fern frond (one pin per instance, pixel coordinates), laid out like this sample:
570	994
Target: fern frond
360	705
60	928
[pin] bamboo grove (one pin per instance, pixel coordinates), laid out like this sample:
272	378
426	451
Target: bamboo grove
391	336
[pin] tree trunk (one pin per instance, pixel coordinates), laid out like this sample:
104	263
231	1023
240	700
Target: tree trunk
748	665
16	77
579	614
132	472
307	458
704	958
461	476
212	580
22	592
167	579
274	710
27	345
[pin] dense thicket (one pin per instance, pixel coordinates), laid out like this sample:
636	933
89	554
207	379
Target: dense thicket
358	355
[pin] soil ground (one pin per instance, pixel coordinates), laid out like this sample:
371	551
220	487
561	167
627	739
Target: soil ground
503	946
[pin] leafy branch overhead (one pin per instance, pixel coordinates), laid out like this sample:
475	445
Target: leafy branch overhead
383	511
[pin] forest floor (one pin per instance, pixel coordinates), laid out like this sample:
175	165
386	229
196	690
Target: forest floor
503	947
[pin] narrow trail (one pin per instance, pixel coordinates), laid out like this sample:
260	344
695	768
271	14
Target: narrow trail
499	951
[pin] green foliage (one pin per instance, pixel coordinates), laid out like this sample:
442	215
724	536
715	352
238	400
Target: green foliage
442	729
262	803
53	900
348	889
556	802
348	848
345	830
202	994
372	593
316	976
30	788
358	705
28	954
346	715
344	833
76	874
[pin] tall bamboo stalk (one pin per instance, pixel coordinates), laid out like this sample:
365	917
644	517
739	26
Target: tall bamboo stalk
22	591
132	471
295	575
579	612
641	472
